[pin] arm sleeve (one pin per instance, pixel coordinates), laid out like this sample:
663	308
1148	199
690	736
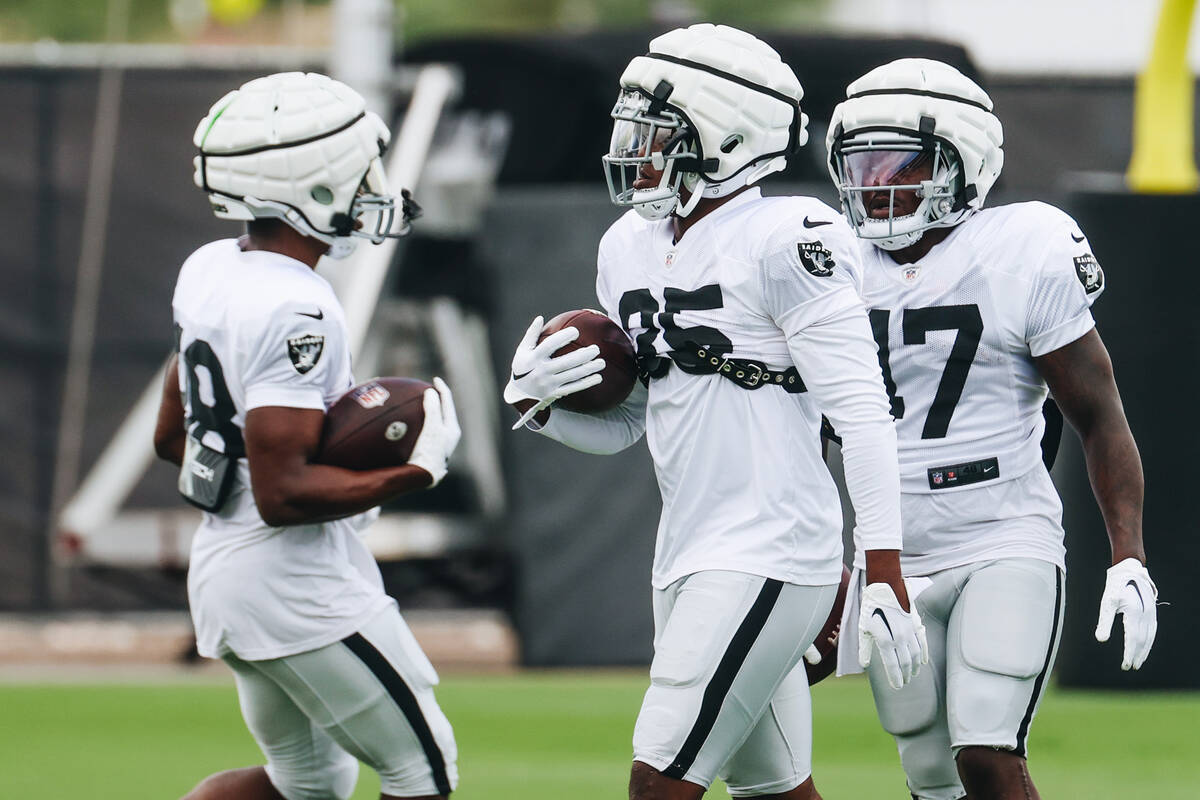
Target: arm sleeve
829	339
838	360
1067	282
601	434
293	360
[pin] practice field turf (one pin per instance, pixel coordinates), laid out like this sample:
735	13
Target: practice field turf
558	735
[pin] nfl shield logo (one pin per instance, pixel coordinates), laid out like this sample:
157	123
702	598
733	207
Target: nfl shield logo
670	258
371	395
911	273
937	478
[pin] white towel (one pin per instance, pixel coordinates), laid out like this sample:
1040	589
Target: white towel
847	652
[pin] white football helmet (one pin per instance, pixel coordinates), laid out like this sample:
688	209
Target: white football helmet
710	107
303	148
899	119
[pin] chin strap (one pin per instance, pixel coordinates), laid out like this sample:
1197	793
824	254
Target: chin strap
339	246
687	208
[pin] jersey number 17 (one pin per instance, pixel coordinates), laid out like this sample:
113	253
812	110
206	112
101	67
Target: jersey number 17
914	324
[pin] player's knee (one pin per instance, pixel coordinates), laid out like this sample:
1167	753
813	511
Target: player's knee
335	781
641	781
988	766
647	783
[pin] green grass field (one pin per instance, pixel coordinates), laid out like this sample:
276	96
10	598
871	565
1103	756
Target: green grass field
557	735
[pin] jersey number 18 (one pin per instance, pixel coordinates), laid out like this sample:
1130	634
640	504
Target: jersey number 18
210	410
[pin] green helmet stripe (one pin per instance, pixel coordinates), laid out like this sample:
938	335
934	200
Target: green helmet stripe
213	121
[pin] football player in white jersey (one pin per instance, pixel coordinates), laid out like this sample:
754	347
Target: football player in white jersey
280	585
747	327
977	311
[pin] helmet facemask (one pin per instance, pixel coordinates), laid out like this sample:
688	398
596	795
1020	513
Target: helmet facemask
646	133
373	209
371	214
874	166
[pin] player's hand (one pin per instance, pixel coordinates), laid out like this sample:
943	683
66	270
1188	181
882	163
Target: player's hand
439	433
899	635
537	375
812	655
1128	591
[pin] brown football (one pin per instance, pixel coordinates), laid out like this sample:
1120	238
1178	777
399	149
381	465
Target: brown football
827	639
620	365
373	425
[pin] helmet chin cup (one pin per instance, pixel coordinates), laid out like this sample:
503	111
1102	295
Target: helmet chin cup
900	242
888	235
656	206
341	247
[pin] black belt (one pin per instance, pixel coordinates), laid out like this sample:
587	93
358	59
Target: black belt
985	469
747	373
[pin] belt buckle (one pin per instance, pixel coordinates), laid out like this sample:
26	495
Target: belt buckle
755	381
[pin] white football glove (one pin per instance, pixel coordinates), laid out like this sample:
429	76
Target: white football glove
537	375
1129	591
899	634
439	433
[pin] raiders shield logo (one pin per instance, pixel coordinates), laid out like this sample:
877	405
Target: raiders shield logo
816	259
305	351
1089	272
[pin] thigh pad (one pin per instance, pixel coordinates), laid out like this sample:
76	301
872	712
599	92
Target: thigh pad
1005	617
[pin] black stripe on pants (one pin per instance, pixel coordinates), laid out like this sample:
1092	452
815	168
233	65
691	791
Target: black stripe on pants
722	679
407	702
1023	728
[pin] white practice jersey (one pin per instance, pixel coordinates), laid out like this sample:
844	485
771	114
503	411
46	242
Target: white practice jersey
958	332
743	484
261	329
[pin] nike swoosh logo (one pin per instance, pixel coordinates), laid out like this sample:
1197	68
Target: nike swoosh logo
879	613
517	377
1139	593
319	315
1076	239
808	223
988	469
